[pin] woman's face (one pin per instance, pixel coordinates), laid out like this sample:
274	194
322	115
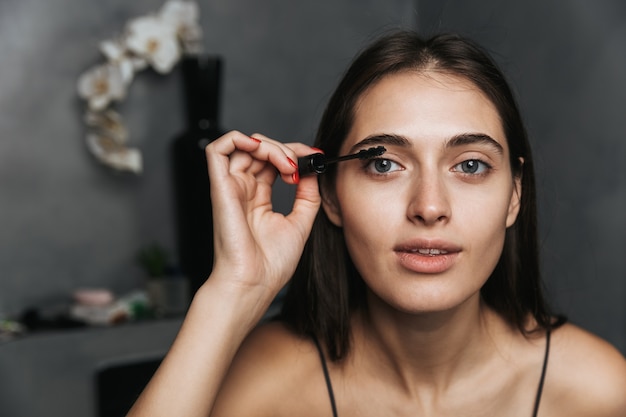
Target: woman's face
425	224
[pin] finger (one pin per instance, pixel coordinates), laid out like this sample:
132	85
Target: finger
280	155
307	199
306	204
261	171
235	151
244	162
219	151
234	145
291	151
297	150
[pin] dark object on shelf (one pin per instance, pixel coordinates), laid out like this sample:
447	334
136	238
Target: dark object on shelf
119	386
194	220
38	320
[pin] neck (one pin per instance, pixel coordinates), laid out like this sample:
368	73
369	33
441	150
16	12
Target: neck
429	349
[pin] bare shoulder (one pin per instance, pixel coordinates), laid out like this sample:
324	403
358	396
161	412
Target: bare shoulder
272	345
586	375
275	372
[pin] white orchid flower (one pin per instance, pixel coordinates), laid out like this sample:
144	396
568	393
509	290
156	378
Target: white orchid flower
114	155
151	38
157	40
117	54
183	16
101	85
108	123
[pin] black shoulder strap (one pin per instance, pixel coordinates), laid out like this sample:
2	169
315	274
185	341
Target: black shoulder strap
329	386
543	374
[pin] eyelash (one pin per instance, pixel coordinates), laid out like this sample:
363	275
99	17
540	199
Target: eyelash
369	165
486	168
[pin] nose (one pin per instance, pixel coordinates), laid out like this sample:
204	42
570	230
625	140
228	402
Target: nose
429	203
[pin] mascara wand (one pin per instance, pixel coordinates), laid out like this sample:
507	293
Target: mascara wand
317	163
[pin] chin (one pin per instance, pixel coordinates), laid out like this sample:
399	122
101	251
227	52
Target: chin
423	301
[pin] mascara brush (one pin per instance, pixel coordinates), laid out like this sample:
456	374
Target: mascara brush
317	163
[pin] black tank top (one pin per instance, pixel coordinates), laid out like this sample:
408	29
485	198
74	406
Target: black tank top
331	394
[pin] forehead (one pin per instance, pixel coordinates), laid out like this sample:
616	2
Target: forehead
425	105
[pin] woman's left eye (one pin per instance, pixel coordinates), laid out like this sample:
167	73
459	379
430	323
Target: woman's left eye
381	166
472	167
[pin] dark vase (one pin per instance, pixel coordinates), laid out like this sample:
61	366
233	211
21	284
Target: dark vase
194	220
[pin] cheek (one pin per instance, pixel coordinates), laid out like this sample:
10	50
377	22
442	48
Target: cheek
370	208
368	220
481	220
488	206
365	218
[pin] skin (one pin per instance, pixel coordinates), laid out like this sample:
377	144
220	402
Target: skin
428	198
427	345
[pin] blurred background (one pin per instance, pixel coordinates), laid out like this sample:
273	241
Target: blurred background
67	222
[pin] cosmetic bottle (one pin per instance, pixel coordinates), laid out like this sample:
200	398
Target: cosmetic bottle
194	223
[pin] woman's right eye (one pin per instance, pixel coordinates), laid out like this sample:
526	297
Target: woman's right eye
381	166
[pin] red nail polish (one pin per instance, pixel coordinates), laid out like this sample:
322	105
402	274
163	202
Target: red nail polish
293	164
317	150
255	139
295	177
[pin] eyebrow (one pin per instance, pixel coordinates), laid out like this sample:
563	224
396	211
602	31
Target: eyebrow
462	139
474	138
385	139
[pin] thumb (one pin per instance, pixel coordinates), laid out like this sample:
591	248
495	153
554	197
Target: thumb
306	204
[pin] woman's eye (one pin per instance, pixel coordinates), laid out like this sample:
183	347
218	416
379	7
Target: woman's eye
472	167
381	166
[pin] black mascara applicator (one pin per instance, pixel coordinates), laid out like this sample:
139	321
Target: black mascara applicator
318	162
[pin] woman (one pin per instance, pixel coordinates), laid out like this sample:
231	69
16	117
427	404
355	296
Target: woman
418	292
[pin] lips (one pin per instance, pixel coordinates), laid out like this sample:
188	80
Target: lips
427	256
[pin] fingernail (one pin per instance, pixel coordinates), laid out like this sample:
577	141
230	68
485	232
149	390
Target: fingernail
255	139
317	150
295	177
293	164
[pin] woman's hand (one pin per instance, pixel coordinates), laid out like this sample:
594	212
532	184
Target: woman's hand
255	247
256	252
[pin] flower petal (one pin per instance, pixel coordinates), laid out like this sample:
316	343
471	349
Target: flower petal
102	84
127	71
146	33
165	57
112	50
114	155
138	63
180	11
108	123
98	103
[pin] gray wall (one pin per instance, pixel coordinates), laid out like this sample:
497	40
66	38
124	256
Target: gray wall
66	222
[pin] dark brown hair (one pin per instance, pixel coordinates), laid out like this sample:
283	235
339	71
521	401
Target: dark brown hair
326	287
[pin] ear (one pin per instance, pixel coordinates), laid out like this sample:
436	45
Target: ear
516	197
330	206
